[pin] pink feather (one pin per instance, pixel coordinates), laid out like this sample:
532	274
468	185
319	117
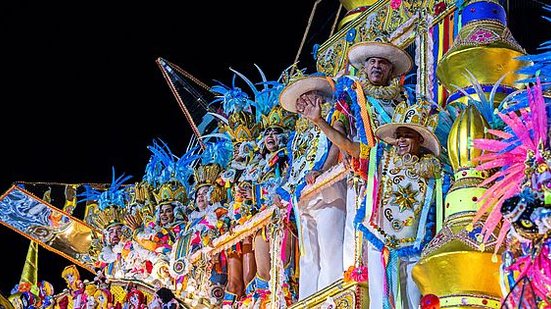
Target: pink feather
493	164
491	197
520	129
489	144
502	234
517	171
493	220
500	134
537	106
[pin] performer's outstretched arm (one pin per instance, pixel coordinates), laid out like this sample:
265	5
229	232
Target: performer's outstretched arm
312	111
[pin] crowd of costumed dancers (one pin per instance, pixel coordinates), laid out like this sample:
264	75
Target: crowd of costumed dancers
270	206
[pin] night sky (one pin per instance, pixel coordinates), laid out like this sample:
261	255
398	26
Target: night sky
81	91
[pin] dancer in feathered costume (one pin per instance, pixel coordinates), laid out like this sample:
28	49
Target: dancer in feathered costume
260	181
241	122
521	186
242	119
107	214
158	223
207	221
518	201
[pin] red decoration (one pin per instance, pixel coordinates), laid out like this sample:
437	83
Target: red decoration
63	303
439	8
358	274
395	4
430	301
148	266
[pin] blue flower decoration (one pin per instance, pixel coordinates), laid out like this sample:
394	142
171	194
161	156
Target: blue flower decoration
351	35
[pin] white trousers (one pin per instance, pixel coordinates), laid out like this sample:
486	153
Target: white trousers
410	294
323	235
349	245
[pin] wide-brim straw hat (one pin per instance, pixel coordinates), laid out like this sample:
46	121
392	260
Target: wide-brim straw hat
430	141
360	52
289	95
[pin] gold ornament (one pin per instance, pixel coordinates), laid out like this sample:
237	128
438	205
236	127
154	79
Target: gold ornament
468	126
454	268
279	118
105	218
405	197
487	48
141	194
172	191
354	8
207	175
241	127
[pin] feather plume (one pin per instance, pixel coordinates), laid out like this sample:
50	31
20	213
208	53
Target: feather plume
114	195
219	152
164	166
525	131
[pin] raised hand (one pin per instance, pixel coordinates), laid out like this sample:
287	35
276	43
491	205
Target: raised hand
133	221
312	106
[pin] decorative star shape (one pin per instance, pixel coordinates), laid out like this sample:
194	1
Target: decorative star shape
404	197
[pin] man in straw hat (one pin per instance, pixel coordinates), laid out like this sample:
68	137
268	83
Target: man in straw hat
368	101
379	66
322	212
378	91
397	222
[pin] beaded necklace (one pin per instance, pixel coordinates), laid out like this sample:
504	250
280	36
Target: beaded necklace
390	92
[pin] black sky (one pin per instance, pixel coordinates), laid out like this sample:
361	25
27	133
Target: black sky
81	91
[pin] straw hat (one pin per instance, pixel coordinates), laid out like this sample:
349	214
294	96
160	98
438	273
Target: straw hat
289	95
416	117
360	52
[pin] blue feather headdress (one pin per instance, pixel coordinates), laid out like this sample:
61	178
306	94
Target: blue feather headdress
169	175
235	100
115	195
266	98
240	112
111	202
483	103
214	160
217	152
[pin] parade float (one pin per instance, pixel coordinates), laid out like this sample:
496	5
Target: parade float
197	221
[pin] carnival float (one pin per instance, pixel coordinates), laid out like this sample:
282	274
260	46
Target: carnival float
229	222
